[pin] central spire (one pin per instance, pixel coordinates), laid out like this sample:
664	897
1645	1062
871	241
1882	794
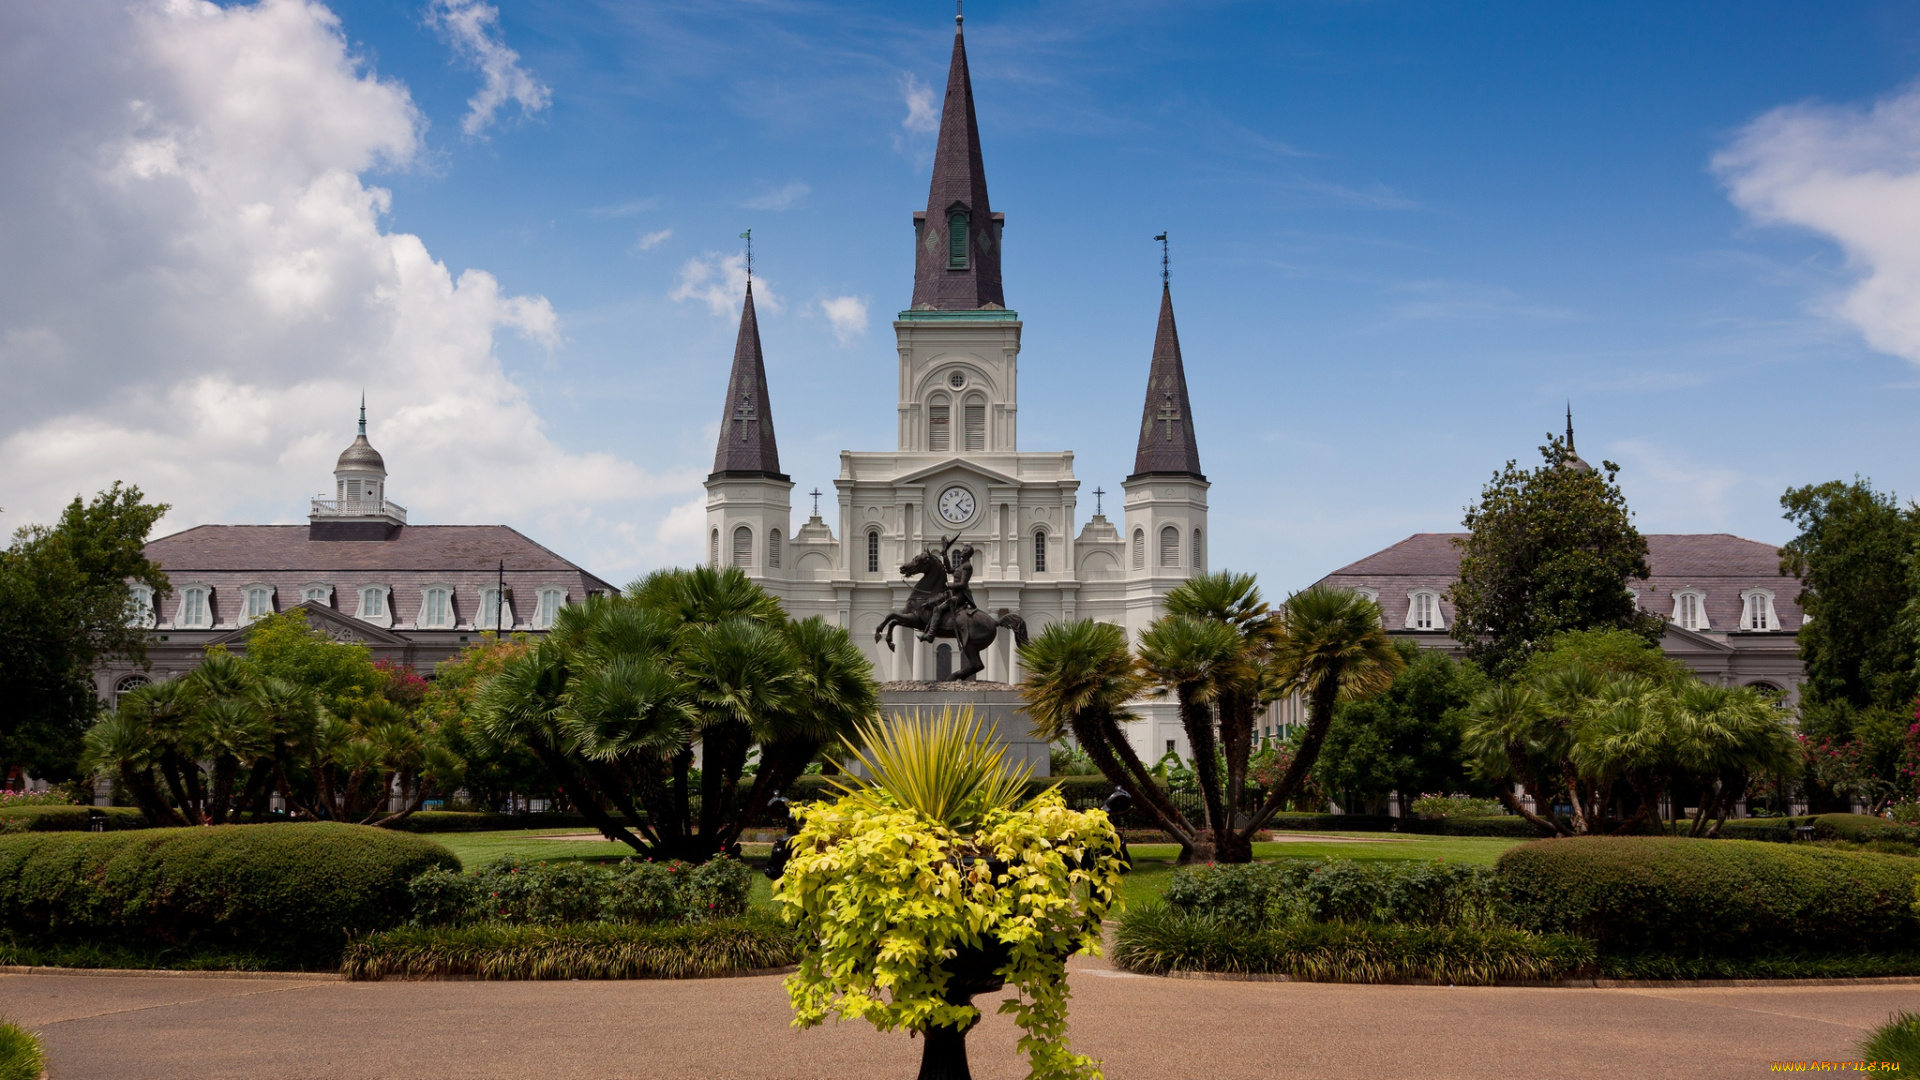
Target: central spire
747	447
957	252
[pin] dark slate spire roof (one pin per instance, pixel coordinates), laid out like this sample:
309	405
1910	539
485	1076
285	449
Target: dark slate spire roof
959	184
1167	444
1573	460
746	422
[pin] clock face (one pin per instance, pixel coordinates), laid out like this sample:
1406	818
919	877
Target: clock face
956	505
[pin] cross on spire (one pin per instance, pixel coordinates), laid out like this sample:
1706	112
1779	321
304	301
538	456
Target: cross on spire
1169	414
748	237
1166	278
1098	495
816	501
743	414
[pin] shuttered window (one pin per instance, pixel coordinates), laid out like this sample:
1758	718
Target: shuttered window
957	242
1039	552
1198	562
1139	549
976	426
743	546
713	555
773	549
939	425
1169	546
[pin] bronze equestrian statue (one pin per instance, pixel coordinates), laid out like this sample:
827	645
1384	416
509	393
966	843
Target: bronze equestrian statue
942	606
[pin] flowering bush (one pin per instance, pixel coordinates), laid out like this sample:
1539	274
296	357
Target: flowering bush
1435	807
51	797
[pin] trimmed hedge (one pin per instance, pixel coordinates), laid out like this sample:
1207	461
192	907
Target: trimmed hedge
590	951
1155	939
292	892
1256	895
1719	897
18	819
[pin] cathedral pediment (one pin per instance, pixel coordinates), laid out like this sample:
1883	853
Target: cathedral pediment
992	476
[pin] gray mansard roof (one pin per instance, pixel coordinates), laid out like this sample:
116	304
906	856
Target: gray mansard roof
1718	565
466	557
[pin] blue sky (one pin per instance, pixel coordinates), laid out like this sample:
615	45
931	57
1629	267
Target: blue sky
1404	236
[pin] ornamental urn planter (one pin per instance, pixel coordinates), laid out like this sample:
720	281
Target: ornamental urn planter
971	970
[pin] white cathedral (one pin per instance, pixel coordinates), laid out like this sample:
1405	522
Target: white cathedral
959	469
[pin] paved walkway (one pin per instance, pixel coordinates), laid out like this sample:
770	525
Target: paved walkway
176	1028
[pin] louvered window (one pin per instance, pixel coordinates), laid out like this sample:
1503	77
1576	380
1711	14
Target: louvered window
873	553
773	549
957	242
939	425
1039	552
1169	546
976	426
1139	549
1198	562
743	546
713	555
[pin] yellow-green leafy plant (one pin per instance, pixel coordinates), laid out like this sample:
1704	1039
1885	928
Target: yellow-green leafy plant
936	858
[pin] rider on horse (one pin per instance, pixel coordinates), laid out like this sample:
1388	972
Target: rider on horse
958	598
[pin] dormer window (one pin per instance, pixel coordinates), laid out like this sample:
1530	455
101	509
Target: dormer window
1690	610
436	608
1756	612
494	613
548	608
373	605
140	607
257	602
1423	610
957	240
318	593
1372	595
196	608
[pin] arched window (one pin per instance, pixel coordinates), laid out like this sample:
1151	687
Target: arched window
258	602
1423	610
957	240
140	607
939	423
1139	549
1690	610
943	663
976	424
713	555
1169	546
773	549
317	593
436	608
548	608
873	551
495	612
1039	551
1198	561
743	546
373	605
196	608
1372	595
127	686
1757	611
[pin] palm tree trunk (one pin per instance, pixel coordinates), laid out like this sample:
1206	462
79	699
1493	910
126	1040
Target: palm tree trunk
581	797
1110	750
780	764
221	796
1504	792
1577	797
1319	719
1197	719
146	795
1733	788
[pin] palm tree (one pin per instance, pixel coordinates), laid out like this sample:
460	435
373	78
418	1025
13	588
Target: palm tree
1246	686
1079	679
228	732
1502	733
1725	734
1330	646
1624	732
123	742
1196	659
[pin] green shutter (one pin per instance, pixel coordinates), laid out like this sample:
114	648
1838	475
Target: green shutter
957	242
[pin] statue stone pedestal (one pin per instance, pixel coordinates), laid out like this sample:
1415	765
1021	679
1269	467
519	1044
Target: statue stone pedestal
998	706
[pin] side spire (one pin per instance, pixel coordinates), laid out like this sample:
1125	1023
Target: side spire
1167	443
747	446
957	239
363	414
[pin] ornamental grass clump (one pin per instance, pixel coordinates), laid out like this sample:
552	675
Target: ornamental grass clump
20	1055
938	880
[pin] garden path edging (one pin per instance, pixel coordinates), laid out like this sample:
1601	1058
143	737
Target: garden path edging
1575	984
171	973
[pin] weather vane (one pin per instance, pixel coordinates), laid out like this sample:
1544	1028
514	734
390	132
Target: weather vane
748	237
1165	277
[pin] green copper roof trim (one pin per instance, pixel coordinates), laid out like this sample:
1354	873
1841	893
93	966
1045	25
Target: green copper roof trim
985	315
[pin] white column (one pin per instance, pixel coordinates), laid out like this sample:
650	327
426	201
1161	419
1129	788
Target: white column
900	651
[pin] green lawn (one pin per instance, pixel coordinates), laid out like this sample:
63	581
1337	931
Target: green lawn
1152	863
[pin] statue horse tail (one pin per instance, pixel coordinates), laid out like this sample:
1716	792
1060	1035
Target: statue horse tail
1016	624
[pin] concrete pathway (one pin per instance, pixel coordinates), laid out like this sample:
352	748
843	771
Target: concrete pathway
209	1028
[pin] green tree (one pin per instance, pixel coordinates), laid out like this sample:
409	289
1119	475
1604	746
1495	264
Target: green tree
1407	739
1547	550
64	611
1852	556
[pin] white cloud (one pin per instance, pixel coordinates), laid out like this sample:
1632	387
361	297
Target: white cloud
472	25
1851	174
782	199
197	285
921	115
848	314
721	281
653	239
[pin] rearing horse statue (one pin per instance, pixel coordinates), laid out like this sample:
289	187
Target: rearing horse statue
972	629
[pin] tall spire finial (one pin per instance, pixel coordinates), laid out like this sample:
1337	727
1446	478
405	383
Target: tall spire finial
1569	427
1166	278
959	16
748	237
363	412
